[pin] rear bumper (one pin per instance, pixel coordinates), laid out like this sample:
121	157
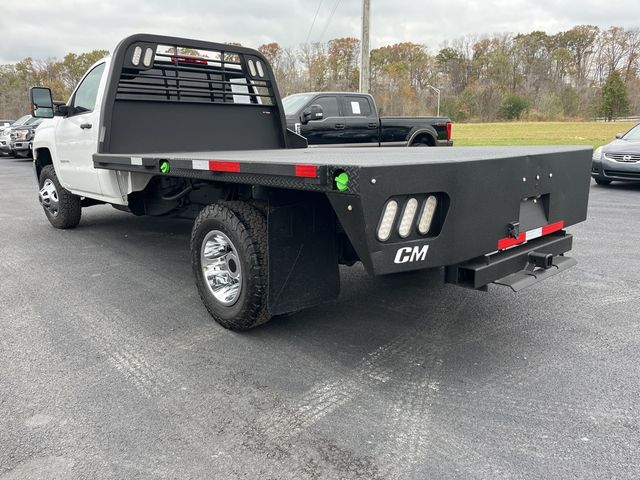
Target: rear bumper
444	143
518	267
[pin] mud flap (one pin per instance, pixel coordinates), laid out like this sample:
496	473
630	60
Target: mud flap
303	254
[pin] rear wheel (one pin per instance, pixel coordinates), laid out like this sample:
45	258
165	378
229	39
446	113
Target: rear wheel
603	182
228	256
62	208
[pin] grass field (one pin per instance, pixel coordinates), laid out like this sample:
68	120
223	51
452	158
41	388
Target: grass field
537	133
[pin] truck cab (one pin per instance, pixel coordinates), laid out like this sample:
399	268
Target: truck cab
346	118
351	119
70	139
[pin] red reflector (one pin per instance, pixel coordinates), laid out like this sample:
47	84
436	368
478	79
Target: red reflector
531	234
309	171
510	242
223	166
449	125
553	227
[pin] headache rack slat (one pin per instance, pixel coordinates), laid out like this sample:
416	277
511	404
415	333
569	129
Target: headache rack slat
195	80
150	89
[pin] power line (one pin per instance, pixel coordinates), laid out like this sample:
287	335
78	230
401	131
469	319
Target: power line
314	21
326	26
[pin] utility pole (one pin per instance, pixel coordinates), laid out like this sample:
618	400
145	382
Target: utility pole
364	49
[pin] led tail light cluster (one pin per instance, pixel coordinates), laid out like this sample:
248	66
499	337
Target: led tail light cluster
407	221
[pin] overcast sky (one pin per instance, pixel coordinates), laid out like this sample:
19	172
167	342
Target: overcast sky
51	28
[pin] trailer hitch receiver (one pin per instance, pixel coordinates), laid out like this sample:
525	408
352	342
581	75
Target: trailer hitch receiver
540	260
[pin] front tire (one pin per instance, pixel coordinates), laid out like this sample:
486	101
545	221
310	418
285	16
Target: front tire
62	208
229	260
603	182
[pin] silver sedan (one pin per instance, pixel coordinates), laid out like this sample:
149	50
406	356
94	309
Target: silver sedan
618	160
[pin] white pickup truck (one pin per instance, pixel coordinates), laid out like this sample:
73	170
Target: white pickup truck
156	131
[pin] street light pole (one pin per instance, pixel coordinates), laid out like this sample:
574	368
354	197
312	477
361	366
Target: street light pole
437	90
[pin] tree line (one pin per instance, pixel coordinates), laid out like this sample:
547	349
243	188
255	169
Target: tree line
580	73
61	76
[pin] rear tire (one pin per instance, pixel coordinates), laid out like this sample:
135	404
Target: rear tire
229	261
62	208
603	182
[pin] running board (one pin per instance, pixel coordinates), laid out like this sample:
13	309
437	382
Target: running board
518	267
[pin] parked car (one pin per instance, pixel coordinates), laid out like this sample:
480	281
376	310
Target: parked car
618	160
351	119
5	134
22	136
6	123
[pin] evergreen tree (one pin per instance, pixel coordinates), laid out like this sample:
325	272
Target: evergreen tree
615	102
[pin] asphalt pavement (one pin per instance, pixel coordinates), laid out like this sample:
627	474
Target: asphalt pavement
111	368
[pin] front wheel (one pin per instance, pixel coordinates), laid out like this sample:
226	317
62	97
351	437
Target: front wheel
229	260
62	208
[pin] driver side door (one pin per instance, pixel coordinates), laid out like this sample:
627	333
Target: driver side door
77	136
329	130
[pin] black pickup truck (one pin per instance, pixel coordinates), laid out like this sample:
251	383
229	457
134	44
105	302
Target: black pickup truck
343	118
204	137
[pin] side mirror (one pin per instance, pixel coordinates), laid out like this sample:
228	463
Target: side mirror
41	102
314	112
619	135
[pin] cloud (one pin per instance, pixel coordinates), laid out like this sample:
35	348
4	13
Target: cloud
43	28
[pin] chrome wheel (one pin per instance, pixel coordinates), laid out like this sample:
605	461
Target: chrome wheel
49	197
221	267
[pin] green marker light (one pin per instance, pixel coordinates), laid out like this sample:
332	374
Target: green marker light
342	181
164	166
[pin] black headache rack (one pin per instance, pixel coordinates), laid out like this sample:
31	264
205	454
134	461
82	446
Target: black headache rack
167	94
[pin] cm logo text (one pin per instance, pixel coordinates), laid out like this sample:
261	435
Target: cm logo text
411	254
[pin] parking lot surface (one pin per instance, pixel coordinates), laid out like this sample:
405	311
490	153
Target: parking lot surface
111	368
